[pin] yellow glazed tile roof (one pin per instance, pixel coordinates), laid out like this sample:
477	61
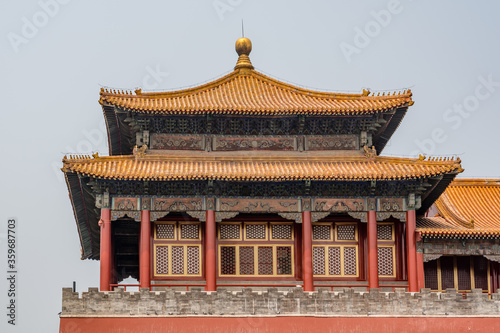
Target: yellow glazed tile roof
467	207
269	168
248	92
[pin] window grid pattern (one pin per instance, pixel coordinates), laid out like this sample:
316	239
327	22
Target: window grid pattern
165	231
190	231
431	275
334	263
385	261
346	232
228	260
229	231
265	260
319	260
177	249
255	231
247	260
463	273
265	250
321	232
284	260
162	260
384	232
335	256
281	231
177	259
350	261
193	260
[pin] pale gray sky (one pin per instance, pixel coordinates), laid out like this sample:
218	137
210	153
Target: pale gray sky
54	59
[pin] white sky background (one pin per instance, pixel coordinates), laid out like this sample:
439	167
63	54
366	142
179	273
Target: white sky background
50	89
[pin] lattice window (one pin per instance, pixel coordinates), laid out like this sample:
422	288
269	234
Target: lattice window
346	232
284	258
178	249
385	261
247	261
318	260
193	260
350	261
463	273
431	275
229	231
384	232
480	272
228	260
255	231
334	263
265	260
459	272
165	231
177	259
321	232
281	231
447	273
162	260
190	231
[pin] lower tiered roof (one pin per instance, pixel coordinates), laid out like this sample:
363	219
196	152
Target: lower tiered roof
258	168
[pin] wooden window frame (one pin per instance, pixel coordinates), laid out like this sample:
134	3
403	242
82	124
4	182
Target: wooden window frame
230	239
455	274
388	243
165	239
170	274
342	261
245	238
256	260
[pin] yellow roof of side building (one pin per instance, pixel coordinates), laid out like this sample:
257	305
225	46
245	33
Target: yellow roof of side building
468	208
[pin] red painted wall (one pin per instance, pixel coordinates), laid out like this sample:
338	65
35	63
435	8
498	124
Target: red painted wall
279	324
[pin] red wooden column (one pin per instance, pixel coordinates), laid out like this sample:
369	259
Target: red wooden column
411	250
145	250
420	263
307	268
105	257
210	252
372	249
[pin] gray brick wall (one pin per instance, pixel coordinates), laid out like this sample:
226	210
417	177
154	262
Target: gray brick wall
273	302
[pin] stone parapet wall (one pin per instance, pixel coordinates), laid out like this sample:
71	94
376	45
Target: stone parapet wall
277	303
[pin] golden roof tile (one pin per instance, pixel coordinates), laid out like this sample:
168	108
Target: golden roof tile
251	168
473	203
248	92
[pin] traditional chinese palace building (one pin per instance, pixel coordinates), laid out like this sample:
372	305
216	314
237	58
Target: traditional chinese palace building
247	181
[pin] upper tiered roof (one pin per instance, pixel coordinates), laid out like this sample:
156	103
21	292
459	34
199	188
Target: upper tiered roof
248	92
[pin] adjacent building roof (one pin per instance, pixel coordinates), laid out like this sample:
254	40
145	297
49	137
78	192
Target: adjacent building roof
268	168
468	208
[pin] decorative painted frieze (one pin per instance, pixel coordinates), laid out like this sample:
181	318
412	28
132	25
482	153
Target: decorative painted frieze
257	205
336	142
177	142
254	143
177	204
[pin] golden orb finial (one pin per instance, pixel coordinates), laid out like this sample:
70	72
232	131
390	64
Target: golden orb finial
243	48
